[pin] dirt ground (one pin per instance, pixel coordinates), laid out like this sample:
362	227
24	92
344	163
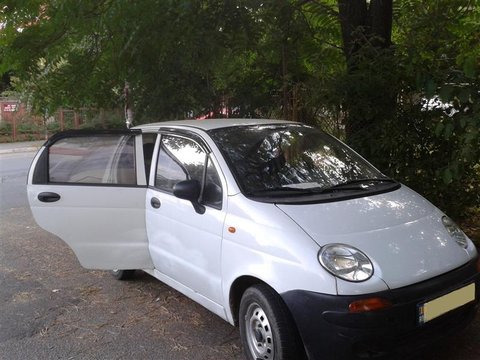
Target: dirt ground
52	308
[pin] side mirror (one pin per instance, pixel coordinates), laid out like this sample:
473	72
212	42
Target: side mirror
189	190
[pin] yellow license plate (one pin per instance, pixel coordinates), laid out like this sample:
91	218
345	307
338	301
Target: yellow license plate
443	304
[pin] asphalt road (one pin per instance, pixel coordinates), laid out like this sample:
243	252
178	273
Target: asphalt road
51	308
13	175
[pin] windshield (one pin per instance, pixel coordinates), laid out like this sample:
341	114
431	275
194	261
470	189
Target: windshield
292	158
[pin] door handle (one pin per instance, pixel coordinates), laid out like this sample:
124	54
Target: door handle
155	203
48	197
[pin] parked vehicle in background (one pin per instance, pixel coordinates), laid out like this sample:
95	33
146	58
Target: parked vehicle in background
274	226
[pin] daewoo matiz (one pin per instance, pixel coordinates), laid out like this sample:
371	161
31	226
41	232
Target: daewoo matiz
274	226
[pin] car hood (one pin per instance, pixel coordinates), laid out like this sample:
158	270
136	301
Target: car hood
399	231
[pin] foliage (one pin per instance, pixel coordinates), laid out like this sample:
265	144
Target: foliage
412	108
27	128
180	57
5	129
4	82
109	120
306	60
435	146
53	127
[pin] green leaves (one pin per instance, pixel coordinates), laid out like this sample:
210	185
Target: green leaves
271	59
447	176
180	57
470	66
432	141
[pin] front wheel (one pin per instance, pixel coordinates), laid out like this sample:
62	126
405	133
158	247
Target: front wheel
267	329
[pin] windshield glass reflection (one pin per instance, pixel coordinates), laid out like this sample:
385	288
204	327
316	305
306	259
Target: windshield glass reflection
290	158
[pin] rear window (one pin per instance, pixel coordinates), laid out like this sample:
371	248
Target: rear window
101	159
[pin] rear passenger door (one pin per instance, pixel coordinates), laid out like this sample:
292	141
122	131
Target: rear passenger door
89	189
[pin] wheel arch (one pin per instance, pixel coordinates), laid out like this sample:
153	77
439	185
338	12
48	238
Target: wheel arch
237	289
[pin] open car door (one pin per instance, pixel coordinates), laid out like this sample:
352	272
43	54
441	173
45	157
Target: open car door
89	188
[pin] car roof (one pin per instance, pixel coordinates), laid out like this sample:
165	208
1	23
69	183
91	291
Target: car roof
208	124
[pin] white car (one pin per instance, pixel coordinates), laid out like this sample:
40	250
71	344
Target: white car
274	226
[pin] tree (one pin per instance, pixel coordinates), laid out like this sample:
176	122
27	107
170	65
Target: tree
367	45
373	66
180	57
76	54
392	77
434	140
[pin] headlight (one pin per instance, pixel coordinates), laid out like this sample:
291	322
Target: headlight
455	232
346	262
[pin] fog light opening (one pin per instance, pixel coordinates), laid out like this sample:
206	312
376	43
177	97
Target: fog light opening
371	304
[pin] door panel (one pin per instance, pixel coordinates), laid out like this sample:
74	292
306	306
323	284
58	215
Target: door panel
186	245
83	188
104	226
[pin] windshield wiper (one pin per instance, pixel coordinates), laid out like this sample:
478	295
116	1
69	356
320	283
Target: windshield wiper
348	184
285	190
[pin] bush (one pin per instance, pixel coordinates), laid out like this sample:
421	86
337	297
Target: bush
5	129
27	128
105	120
435	154
53	127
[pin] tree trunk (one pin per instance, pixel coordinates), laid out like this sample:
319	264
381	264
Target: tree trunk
363	24
366	34
285	87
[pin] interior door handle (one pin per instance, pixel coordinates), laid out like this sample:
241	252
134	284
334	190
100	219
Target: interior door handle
155	203
48	197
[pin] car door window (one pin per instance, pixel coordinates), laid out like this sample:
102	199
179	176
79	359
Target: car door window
96	159
181	159
148	147
212	193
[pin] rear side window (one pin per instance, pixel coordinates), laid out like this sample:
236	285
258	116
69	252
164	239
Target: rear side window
96	159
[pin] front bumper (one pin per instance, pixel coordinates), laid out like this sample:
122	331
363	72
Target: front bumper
329	331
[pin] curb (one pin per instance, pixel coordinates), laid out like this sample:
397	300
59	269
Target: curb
19	150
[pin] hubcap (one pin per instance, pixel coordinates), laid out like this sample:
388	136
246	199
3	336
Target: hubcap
259	333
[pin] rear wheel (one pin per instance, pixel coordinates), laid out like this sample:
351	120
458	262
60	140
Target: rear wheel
267	329
123	274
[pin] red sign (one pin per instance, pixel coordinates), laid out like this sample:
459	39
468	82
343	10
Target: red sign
10	107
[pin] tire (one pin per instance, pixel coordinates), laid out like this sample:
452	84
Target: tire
267	329
123	274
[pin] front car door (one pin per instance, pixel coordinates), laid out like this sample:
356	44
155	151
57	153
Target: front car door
186	244
89	189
